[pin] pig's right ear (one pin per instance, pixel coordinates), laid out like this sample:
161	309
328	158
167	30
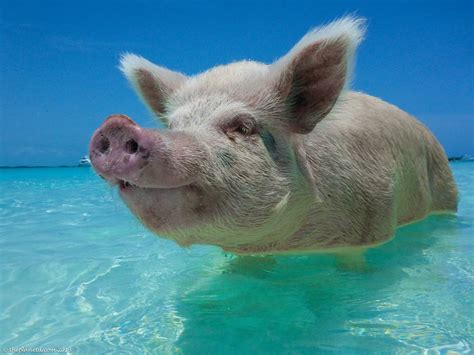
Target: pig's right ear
154	84
311	76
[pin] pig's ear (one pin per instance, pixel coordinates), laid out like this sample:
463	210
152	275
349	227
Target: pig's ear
153	83
311	76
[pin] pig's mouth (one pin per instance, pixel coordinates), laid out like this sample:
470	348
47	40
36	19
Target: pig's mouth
125	185
122	185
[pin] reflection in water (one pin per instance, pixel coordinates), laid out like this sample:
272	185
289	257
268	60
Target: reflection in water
304	303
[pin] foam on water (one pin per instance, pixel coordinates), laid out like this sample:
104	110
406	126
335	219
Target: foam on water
79	271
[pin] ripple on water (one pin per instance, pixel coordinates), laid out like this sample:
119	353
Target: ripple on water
78	270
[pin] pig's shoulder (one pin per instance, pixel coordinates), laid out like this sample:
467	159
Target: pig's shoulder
360	124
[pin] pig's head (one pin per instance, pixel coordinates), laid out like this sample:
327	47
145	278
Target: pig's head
230	169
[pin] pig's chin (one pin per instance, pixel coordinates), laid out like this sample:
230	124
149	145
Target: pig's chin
165	209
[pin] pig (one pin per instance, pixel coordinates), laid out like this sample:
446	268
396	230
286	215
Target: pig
273	158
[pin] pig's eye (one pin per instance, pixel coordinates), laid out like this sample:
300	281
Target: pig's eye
243	125
243	130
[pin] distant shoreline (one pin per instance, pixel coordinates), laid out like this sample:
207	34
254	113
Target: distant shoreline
464	157
461	158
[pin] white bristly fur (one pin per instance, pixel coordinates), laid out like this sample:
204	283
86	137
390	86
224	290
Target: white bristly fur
364	169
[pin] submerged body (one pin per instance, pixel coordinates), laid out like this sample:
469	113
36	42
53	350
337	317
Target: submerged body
276	158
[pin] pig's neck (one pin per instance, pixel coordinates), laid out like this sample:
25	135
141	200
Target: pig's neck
286	228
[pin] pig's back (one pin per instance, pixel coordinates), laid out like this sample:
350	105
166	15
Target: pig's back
376	167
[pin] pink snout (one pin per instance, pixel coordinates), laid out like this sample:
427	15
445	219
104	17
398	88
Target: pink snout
120	149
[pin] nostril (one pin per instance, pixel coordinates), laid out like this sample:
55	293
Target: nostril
131	146
103	144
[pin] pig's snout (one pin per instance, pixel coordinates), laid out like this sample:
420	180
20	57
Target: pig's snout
119	149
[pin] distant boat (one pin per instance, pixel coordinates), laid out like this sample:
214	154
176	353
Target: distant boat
85	161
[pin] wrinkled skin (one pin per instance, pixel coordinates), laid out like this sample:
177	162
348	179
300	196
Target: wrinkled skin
273	158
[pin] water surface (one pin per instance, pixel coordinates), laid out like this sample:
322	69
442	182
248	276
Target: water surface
78	270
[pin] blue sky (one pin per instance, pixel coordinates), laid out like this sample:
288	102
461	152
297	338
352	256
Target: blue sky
59	76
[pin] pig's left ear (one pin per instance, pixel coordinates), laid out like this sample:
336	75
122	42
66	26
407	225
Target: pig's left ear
153	83
311	76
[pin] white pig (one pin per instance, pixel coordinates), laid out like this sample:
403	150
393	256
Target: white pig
274	158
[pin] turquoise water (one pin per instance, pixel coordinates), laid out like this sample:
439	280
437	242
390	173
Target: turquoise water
78	271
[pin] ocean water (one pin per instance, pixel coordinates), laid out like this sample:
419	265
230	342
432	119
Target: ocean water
78	271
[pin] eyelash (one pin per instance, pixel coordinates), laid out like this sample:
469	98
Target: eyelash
242	126
243	130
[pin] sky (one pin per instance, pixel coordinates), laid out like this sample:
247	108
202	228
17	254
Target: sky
59	78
